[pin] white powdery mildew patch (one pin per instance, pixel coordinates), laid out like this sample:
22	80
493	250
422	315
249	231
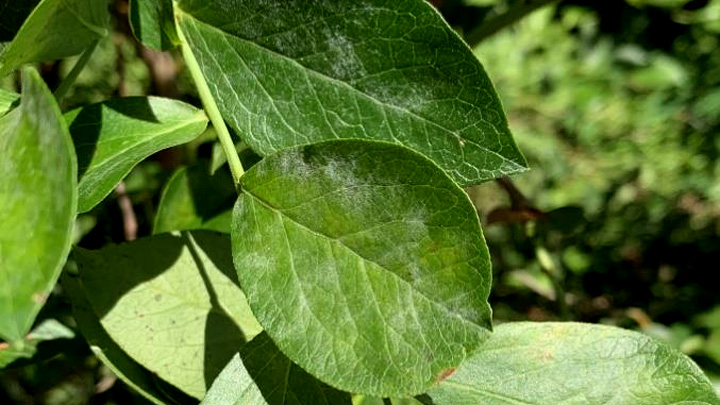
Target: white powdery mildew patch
346	65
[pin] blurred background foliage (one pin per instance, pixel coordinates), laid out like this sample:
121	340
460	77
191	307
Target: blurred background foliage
616	104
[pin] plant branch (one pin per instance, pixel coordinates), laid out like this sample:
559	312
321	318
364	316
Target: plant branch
510	17
211	108
69	80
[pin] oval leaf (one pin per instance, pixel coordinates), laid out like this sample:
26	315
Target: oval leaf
54	30
152	23
571	363
171	303
364	262
261	375
113	136
194	199
38	201
296	72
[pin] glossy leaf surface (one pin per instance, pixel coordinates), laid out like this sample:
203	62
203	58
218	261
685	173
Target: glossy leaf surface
38	200
571	363
152	23
296	72
194	199
364	262
170	302
112	137
262	375
54	30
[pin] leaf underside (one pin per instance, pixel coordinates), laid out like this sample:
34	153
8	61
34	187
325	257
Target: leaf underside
295	72
38	201
572	363
364	262
152	23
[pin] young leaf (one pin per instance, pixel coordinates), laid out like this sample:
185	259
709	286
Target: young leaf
295	72
38	200
50	329
571	363
364	262
152	23
7	99
54	30
128	370
171	303
261	375
113	136
193	199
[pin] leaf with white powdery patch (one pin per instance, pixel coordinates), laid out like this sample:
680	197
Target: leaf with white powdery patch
171	303
291	73
365	263
572	363
38	200
113	136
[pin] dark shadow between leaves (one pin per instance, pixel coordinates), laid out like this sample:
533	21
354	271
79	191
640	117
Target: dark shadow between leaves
211	194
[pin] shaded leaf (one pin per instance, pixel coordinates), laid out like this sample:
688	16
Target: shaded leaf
38	201
194	199
152	23
128	370
50	329
364	262
113	136
171	303
571	363
54	30
261	375
295	72
7	99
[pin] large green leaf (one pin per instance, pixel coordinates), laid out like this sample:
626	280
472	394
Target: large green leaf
289	73
113	136
194	199
128	370
261	375
152	23
38	201
571	363
7	99
171	303
364	262
54	30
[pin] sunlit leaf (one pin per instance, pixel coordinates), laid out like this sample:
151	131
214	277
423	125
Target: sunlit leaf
38	200
113	136
364	262
571	363
291	73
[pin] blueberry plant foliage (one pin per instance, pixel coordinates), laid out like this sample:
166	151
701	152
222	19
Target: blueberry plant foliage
346	266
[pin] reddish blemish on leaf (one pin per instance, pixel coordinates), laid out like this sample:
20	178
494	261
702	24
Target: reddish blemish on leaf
4	346
446	373
40	297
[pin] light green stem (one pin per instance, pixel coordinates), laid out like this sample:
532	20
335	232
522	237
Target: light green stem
211	107
493	25
69	80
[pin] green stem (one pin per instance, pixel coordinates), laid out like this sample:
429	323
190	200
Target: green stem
211	107
501	21
69	80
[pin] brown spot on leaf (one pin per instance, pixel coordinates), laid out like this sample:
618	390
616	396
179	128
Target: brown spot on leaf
40	298
446	373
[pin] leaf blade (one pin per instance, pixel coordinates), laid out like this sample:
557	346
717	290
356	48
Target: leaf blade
113	136
36	227
571	363
301	73
373	256
152	23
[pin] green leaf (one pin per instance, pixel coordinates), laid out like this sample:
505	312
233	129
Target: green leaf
171	303
50	329
194	199
152	23
364	262
38	201
571	363
128	370
261	375
7	99
54	30
113	136
295	72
